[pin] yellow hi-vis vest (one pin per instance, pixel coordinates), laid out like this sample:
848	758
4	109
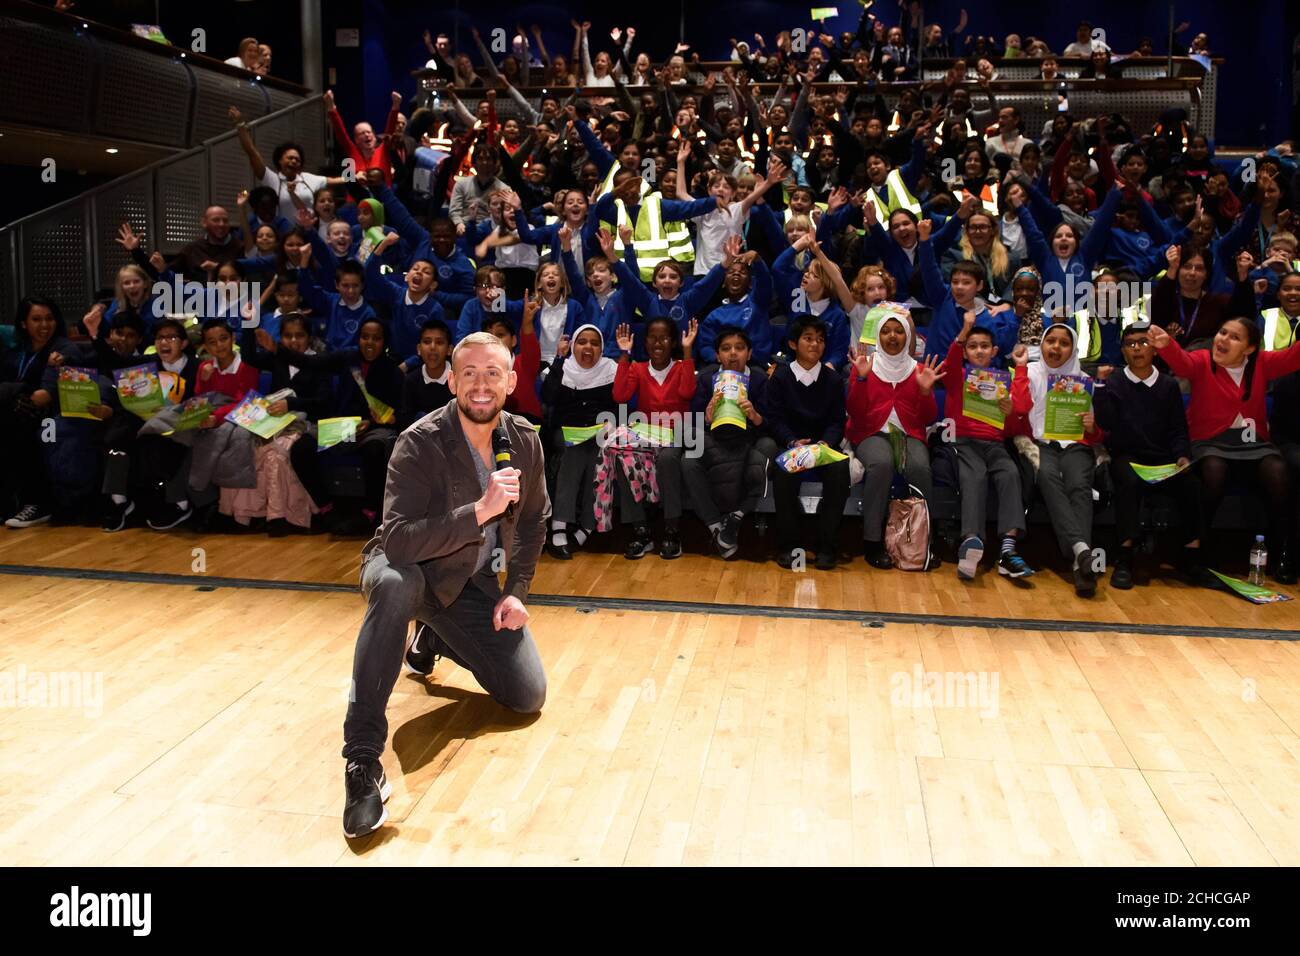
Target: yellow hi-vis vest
988	198
607	185
1279	330
1087	334
898	197
653	239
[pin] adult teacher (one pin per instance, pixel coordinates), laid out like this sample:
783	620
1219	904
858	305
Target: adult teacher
445	532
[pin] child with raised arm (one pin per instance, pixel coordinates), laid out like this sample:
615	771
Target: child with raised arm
982	456
951	300
410	300
1227	422
889	389
662	389
604	306
337	316
747	285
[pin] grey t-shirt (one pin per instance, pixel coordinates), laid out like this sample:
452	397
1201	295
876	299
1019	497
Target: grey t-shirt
490	535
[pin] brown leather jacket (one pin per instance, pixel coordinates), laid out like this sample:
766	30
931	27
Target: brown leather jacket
429	505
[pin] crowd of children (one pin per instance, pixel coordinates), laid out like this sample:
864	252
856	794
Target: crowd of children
794	273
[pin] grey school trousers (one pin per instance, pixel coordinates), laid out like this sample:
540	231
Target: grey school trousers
1065	480
505	663
978	463
877	458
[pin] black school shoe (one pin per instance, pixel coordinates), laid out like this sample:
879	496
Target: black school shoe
115	515
560	552
365	789
1121	576
826	559
876	555
1085	581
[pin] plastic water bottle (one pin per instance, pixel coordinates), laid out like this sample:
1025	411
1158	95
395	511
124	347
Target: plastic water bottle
1258	561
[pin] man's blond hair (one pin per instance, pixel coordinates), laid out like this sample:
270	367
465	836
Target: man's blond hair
480	338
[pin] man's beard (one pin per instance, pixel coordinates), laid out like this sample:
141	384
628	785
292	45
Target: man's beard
478	415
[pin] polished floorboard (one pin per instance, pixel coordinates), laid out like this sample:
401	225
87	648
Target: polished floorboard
669	737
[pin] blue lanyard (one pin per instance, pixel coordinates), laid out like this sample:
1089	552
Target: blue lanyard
1182	315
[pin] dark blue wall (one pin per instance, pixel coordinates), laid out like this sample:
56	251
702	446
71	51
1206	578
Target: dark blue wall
1255	104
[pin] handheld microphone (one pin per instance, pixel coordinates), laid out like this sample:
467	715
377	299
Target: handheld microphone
502	454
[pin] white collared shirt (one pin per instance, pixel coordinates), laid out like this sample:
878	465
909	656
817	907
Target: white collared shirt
440	380
423	299
174	366
1149	381
805	376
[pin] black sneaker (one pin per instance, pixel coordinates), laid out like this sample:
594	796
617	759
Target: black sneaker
422	654
28	516
727	538
671	547
169	516
365	790
1085	581
115	515
641	545
1013	565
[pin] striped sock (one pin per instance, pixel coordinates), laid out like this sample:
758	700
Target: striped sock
1008	544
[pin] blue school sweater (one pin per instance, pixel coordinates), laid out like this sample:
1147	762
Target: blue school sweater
1141	251
749	313
693	296
947	320
406	316
1079	266
333	321
616	310
455	273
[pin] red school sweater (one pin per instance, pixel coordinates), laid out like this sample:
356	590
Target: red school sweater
236	384
674	395
870	401
954	381
1216	399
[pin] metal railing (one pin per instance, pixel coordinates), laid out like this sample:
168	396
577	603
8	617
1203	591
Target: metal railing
69	251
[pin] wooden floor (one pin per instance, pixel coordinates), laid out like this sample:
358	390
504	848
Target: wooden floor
668	738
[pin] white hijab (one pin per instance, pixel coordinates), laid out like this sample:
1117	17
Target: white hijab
602	373
1038	373
893	369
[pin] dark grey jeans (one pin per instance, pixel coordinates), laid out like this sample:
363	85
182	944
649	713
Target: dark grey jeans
505	663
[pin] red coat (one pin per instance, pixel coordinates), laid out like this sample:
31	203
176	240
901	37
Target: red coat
674	395
870	401
1216	399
